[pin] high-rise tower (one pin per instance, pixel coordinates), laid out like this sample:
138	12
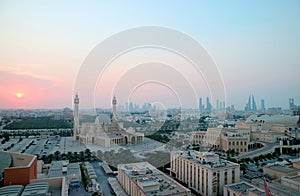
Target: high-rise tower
114	107
262	105
251	105
201	108
76	117
254	108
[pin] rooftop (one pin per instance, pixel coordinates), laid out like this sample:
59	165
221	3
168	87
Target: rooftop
63	168
151	180
207	159
39	188
282	168
13	190
243	187
294	178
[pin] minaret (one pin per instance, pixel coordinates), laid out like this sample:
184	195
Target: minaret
114	108
76	117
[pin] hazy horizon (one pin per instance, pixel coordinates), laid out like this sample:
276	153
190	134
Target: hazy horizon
255	46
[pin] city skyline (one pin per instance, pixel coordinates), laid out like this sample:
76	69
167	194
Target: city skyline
255	46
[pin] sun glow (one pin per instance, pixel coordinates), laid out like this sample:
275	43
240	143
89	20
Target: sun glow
19	95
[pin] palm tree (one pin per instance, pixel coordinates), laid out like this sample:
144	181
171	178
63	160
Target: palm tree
57	155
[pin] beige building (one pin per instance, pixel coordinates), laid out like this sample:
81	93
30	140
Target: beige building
104	132
278	171
296	165
224	138
270	128
234	142
204	172
267	136
242	189
291	182
140	179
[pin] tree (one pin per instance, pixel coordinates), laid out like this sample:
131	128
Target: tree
57	155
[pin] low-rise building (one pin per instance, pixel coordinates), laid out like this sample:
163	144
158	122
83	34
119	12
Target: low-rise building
226	138
278	171
204	172
242	189
267	136
296	165
291	182
65	169
142	179
12	190
17	168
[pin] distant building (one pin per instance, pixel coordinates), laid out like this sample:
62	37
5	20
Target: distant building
17	168
204	172
141	179
269	128
262	105
201	107
251	105
208	105
292	105
224	138
242	189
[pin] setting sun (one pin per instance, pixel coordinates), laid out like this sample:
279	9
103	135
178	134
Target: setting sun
19	95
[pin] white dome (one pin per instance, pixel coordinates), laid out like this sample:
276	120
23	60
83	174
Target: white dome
102	119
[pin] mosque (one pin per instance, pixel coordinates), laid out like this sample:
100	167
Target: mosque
104	132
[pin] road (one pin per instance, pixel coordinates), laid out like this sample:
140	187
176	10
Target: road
102	179
268	148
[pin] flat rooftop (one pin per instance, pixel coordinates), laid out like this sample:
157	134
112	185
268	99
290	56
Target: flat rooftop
39	188
192	155
243	188
146	175
294	178
13	190
282	168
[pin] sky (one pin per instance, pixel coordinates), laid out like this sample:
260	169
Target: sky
43	45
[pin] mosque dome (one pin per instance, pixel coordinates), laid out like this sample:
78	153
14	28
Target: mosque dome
102	119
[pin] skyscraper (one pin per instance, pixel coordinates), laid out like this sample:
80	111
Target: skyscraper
262	105
251	105
200	105
254	108
291	104
208	104
76	117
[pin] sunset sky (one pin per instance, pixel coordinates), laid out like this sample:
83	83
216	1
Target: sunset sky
255	44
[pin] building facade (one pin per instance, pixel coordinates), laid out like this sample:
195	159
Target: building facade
19	169
141	179
204	172
223	138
